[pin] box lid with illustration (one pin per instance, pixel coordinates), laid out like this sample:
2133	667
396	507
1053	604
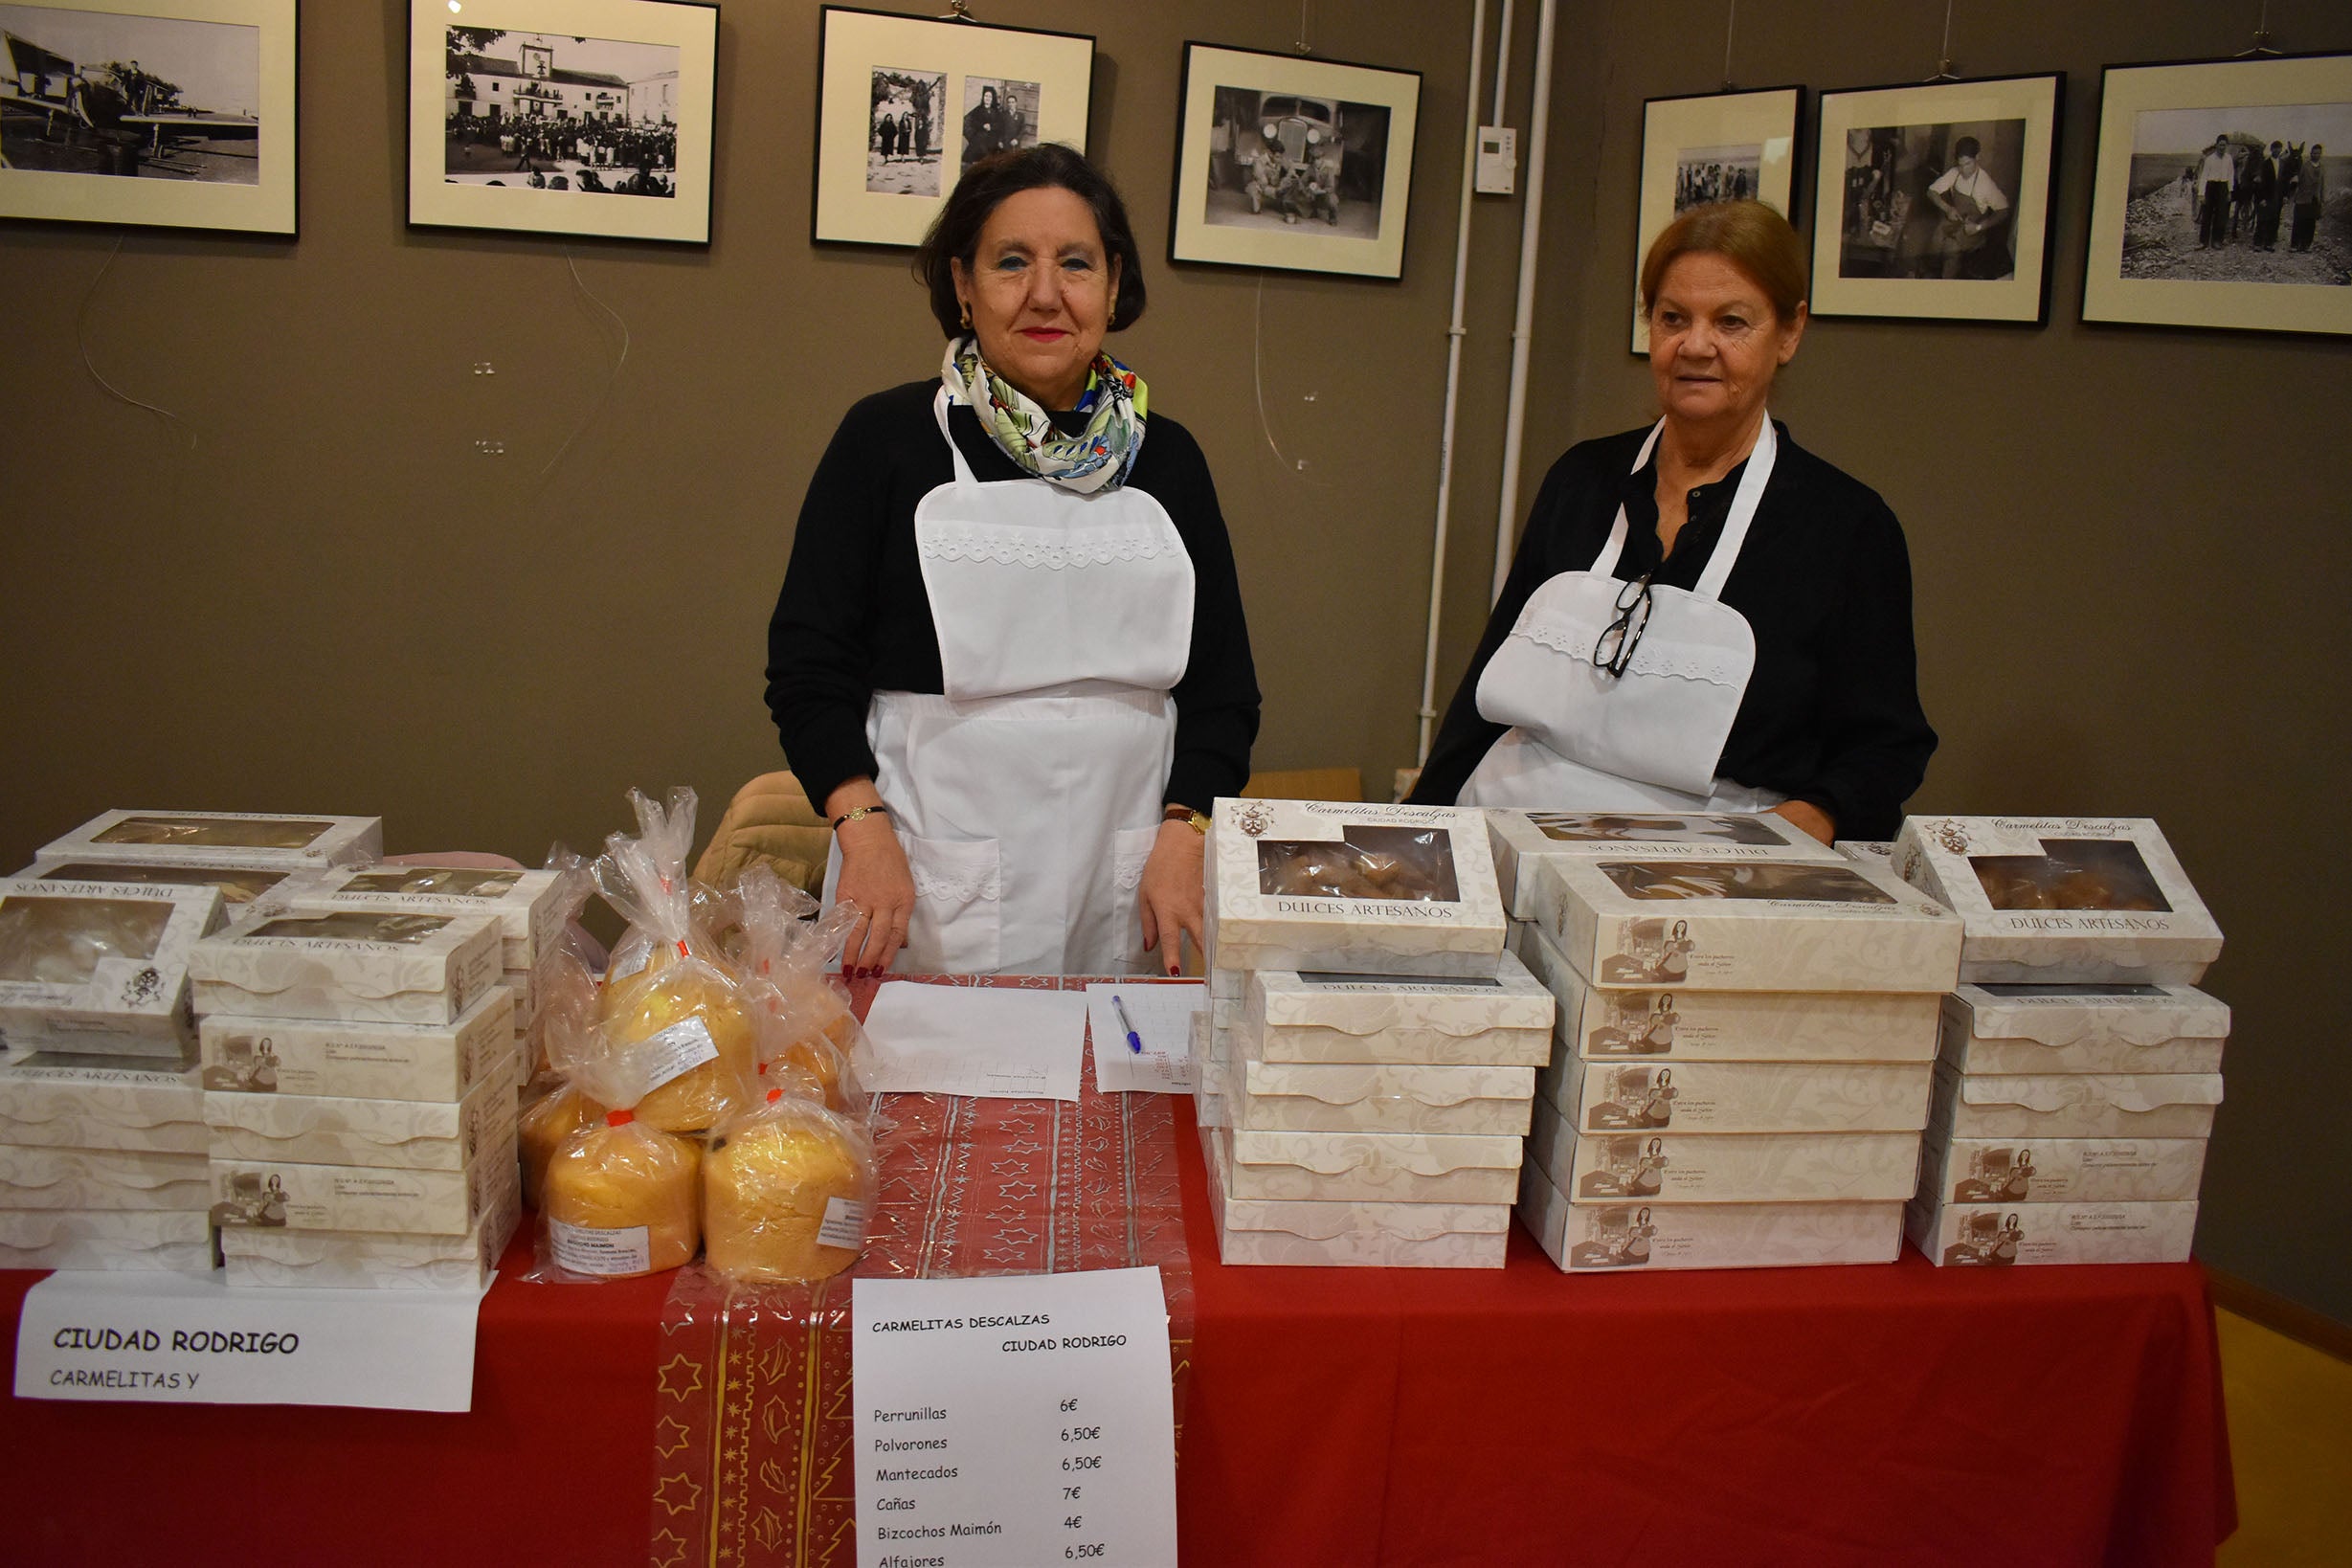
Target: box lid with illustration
99	967
1670	1024
261	839
239	885
1353	887
76	1102
1380	1097
1998	1235
1521	836
2079	1104
1745	926
379	965
2063	900
361	1260
1740	1096
358	1059
525	904
274	1195
1632	1237
1322	1016
320	1130
2060	1169
1723	1168
2126	1028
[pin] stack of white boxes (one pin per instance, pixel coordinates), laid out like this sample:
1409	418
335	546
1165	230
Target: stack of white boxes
363	1132
2079	1071
1746	1039
102	1125
1368	1057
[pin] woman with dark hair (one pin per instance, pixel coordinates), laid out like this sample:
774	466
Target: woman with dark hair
1702	616
1009	661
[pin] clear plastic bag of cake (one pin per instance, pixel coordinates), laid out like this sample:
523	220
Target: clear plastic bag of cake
787	1189
667	992
809	1043
618	1196
569	1003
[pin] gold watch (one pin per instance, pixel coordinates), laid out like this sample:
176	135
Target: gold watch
1185	814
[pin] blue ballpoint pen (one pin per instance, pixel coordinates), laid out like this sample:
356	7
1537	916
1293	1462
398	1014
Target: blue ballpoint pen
1134	1040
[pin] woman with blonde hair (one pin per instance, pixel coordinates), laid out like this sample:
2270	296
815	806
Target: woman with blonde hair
1702	615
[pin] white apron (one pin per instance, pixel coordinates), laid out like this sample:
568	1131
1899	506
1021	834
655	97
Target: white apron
1648	739
1028	795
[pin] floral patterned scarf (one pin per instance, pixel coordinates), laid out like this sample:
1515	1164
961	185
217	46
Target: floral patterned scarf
1096	457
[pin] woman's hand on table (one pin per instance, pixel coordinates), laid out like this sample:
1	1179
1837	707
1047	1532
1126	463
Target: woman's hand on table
1171	893
874	877
1810	817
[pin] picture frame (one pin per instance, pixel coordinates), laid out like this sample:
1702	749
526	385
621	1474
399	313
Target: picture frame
1933	201
166	114
562	116
2149	261
904	104
1713	146
1244	198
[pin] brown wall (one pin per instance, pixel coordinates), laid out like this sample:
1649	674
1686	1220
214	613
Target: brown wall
332	603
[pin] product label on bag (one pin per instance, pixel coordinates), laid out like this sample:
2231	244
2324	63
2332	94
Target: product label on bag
678	1050
586	1250
844	1224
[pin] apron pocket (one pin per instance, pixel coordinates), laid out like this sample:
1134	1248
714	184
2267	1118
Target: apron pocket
956	926
1131	851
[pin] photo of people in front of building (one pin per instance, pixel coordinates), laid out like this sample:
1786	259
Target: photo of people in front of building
547	112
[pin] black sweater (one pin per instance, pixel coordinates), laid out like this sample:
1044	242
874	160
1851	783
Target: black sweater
853	618
1831	715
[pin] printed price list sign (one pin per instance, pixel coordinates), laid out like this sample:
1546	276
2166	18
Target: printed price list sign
1014	1423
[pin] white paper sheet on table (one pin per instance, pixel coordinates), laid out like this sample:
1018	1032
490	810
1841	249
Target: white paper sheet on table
1162	1013
985	1042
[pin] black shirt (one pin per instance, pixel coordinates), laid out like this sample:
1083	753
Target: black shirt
854	619
1831	715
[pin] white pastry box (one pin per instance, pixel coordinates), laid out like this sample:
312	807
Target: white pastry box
1351	1235
1375	1167
1663	1023
1745	926
2061	1169
409	1134
1228	985
1741	1096
1211	1107
1726	1168
1369	1097
525	903
240	885
1877	852
174	1239
262	840
286	1196
2083	1028
368	966
1354	889
2078	1105
357	1060
99	967
1520	836
1606	1238
2063	900
68	1102
1319	1016
364	1261
1995	1235
41	1178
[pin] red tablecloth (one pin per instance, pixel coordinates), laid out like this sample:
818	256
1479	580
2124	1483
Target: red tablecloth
1816	1417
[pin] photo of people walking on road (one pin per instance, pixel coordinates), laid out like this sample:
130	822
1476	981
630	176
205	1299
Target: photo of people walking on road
908	131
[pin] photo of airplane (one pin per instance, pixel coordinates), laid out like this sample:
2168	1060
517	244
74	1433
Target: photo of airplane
114	115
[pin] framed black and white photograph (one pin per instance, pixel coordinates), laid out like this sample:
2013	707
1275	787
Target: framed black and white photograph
906	105
2222	195
1935	201
177	114
1304	165
562	116
1714	147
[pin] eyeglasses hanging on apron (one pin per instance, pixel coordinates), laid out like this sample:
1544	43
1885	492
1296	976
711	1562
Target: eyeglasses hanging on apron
1619	695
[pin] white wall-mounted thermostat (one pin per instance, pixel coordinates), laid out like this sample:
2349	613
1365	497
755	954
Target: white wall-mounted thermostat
1498	161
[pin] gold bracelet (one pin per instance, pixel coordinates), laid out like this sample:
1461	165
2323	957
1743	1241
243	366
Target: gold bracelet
856	813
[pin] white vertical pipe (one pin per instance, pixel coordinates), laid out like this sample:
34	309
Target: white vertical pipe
1453	372
1502	60
1530	235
